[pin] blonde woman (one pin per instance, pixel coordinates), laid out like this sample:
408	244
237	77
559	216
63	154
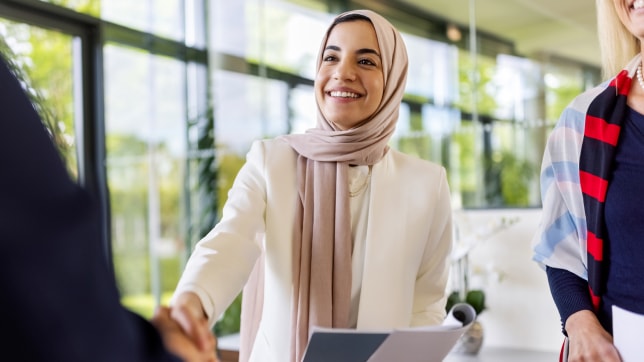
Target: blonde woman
590	238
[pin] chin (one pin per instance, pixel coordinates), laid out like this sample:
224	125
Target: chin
339	126
343	121
344	126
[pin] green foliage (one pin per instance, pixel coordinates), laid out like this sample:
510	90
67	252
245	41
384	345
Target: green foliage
200	205
464	142
125	145
229	165
508	180
474	297
420	143
144	304
91	7
133	275
559	97
515	178
482	79
133	272
27	68
51	74
229	323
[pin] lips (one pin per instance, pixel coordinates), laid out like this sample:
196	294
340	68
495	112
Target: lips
638	4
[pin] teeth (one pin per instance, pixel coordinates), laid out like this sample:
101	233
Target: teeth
638	4
353	95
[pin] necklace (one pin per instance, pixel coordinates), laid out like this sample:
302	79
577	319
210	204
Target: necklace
640	79
363	186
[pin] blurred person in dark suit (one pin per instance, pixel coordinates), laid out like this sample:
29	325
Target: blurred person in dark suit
59	298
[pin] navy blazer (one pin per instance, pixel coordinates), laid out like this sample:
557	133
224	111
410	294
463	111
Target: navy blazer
58	298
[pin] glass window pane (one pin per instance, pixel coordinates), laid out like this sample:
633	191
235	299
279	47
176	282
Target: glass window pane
164	18
302	105
46	60
518	83
276	33
146	145
91	7
248	108
562	84
464	173
433	69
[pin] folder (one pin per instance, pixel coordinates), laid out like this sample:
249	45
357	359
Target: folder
628	328
411	344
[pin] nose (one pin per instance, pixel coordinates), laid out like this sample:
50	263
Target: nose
345	70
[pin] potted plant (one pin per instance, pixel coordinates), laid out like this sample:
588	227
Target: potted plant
474	297
472	340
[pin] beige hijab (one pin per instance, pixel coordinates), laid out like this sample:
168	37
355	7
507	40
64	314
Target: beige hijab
322	232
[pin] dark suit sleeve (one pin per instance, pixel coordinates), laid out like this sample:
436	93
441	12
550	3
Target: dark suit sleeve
59	300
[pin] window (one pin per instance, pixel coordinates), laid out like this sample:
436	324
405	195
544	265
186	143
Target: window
159	135
48	59
133	114
145	129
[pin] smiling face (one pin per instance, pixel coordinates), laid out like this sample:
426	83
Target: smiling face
631	14
349	84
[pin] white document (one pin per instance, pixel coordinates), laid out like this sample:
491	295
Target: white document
413	344
628	329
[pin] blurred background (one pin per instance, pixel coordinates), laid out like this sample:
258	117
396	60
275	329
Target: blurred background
154	104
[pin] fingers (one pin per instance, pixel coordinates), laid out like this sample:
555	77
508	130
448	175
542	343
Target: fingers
178	341
188	312
588	339
161	319
195	325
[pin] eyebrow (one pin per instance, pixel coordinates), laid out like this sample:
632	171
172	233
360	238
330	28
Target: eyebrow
359	51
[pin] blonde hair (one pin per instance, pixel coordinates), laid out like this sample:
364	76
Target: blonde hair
616	43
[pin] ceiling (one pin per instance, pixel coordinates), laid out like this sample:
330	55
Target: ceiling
564	28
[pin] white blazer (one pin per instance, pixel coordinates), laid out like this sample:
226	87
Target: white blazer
406	262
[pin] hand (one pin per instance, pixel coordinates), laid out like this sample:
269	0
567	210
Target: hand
588	340
179	343
188	312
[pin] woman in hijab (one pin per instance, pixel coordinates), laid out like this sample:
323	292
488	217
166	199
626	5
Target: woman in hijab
329	228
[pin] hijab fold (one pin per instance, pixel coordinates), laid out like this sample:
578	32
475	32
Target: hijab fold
322	228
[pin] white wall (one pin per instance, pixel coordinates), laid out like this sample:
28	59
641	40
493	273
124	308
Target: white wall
520	312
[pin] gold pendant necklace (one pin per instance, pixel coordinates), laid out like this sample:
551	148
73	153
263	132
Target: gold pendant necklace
363	186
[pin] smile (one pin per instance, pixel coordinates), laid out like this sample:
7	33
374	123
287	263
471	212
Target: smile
638	4
339	94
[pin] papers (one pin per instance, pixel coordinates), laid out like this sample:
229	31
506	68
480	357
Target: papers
628	329
414	344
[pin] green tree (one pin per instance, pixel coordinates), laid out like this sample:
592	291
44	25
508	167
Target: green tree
37	87
477	83
91	7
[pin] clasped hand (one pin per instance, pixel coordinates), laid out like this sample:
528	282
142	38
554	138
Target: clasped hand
185	333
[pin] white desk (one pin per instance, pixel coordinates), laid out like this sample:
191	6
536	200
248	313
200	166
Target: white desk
230	346
499	354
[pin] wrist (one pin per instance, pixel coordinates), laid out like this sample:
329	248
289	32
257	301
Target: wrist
581	321
191	302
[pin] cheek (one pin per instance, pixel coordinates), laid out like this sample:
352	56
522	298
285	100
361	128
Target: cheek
378	89
318	85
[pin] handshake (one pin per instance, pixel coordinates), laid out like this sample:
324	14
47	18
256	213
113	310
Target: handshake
184	330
